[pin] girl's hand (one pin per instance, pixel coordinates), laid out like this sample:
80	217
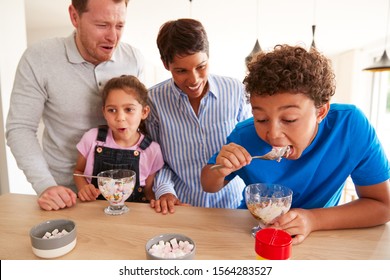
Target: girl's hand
88	193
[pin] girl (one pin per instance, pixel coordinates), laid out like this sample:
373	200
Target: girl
121	144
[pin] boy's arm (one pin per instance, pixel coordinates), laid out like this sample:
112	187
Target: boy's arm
213	180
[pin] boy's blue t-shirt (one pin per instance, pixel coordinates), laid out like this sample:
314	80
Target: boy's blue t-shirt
346	145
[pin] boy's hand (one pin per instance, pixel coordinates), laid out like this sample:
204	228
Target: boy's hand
233	157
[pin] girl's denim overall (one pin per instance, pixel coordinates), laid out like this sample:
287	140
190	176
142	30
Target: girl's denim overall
109	158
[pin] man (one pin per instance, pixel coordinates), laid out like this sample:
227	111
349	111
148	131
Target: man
58	81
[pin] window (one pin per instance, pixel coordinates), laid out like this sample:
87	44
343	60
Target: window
380	108
380	118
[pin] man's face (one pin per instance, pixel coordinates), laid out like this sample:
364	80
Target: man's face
99	30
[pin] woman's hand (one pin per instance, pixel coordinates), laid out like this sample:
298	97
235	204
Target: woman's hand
166	203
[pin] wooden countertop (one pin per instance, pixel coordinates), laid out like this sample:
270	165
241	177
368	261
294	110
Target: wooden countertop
218	233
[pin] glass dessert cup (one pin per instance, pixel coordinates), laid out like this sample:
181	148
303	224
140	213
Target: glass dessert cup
266	202
116	186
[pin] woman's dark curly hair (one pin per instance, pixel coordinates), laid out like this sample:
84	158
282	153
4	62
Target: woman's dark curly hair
294	70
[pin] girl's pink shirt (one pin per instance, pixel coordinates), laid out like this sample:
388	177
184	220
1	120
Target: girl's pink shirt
151	159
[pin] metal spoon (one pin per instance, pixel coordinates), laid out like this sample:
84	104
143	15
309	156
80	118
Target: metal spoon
87	176
275	154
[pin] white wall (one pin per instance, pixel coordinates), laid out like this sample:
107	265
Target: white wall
13	43
353	85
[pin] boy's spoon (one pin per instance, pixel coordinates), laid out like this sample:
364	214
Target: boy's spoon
275	154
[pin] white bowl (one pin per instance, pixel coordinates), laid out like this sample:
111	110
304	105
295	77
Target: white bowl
167	237
53	247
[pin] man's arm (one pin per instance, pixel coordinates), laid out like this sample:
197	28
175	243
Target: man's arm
26	108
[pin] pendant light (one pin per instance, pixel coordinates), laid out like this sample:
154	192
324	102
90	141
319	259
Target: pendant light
190	8
255	50
383	64
313	43
313	27
256	47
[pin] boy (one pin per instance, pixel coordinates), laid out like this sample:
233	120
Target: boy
290	91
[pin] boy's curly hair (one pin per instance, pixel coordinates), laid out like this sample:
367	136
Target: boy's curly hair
294	70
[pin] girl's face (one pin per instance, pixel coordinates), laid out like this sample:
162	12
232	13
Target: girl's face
287	119
123	114
190	73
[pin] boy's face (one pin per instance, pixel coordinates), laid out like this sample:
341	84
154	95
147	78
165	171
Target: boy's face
287	119
190	73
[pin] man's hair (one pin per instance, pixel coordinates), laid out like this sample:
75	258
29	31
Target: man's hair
81	6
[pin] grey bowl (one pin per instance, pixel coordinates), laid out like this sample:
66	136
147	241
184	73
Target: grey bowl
53	247
166	237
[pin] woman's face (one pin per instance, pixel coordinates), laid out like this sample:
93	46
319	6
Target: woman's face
287	119
190	74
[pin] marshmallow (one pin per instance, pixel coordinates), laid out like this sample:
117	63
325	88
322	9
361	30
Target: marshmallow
171	249
54	234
